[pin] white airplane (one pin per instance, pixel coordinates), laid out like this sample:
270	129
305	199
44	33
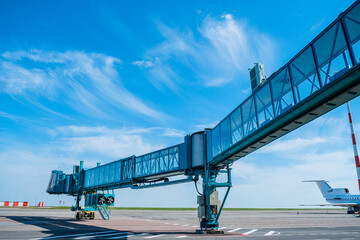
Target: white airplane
341	196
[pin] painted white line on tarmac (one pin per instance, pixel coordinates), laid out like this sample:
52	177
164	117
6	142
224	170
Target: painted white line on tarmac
222	228
185	225
250	232
156	236
234	230
269	233
9	223
105	235
127	236
175	224
184	236
195	226
74	235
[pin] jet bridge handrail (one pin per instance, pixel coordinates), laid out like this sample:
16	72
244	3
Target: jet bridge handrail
326	58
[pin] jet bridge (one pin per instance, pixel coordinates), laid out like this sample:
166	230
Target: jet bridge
321	77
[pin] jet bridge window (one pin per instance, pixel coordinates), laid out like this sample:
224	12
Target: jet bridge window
352	20
96	176
249	116
87	178
264	107
102	175
164	160
215	138
92	178
174	158
106	173
127	169
225	134
236	126
111	173
138	166
154	163
283	98
304	75
117	170
146	164
332	54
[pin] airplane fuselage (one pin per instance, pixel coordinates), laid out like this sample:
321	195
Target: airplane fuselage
348	199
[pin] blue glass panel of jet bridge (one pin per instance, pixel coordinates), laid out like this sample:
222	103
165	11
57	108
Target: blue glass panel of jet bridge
264	107
236	126
215	139
249	116
282	92
352	20
304	75
225	133
332	54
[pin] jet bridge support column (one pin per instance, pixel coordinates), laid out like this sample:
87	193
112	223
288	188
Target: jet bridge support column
210	207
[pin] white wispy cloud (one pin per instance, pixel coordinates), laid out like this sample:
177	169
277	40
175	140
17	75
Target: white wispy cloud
17	80
10	116
206	124
296	144
172	132
113	142
84	81
144	63
221	50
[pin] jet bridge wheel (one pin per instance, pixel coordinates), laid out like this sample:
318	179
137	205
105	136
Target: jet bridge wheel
79	215
351	210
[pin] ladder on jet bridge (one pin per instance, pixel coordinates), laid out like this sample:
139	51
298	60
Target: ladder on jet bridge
105	212
321	77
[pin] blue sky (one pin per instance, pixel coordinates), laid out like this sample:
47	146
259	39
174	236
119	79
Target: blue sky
98	81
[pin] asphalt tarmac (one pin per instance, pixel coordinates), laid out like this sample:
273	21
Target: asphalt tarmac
18	223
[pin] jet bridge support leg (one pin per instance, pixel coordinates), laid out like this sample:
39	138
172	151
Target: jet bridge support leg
210	207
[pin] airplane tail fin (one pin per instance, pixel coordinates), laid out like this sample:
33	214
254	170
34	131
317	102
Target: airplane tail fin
323	186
